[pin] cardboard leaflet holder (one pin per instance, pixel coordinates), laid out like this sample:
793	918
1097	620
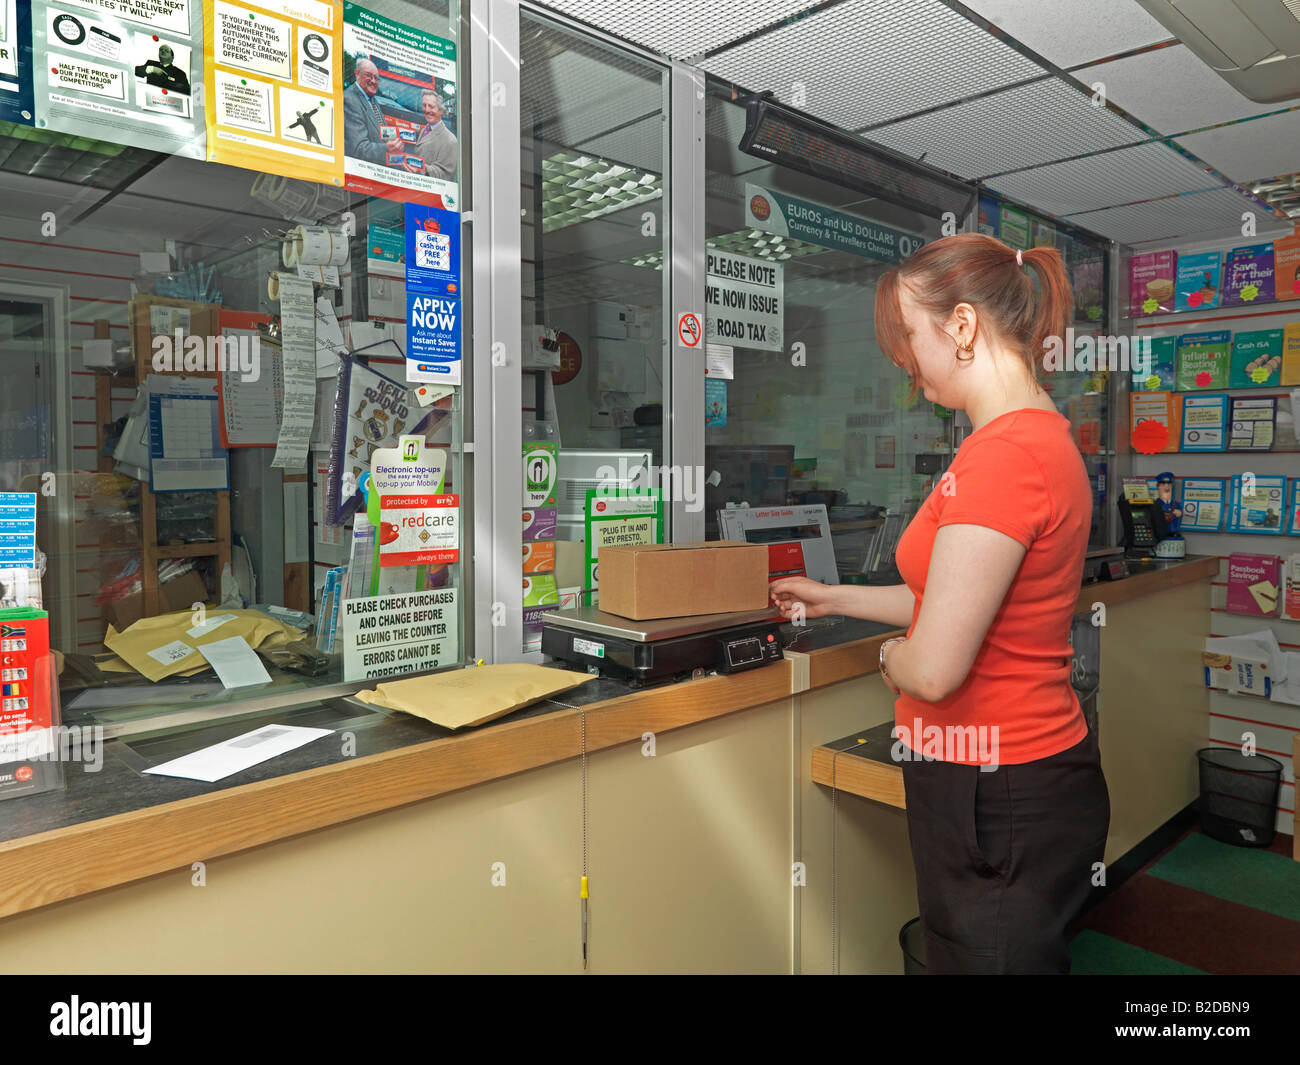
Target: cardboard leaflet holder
29	707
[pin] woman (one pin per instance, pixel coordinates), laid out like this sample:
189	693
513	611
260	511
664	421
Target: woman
1007	808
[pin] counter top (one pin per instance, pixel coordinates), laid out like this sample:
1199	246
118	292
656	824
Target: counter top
117	825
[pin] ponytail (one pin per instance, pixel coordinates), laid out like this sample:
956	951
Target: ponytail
1054	300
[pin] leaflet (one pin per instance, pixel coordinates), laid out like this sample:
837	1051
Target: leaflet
16	99
274	69
400	111
123	70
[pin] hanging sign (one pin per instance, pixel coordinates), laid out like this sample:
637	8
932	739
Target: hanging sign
774	212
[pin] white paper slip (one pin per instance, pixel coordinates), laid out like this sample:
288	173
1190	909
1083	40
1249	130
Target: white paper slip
236	664
171	652
205	627
242	752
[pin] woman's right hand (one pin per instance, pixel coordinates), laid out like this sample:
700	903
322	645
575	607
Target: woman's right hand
792	593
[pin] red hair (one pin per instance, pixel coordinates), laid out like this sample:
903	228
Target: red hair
982	271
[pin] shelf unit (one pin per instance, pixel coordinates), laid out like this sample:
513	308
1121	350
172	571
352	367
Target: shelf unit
1275	725
152	316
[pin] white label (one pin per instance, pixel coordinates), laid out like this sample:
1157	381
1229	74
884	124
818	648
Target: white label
588	647
171	652
209	625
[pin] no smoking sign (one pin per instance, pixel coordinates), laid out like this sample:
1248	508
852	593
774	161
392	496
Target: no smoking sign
689	329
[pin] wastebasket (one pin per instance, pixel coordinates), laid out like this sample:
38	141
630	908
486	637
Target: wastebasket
911	937
1239	792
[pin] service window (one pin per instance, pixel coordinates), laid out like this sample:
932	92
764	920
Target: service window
230	312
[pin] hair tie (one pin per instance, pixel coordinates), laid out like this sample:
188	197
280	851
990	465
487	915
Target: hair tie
1020	259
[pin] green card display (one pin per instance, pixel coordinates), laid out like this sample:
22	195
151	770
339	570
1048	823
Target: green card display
1256	359
541	473
1203	360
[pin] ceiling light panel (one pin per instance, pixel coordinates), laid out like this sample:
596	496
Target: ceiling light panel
1029	125
1171	90
864	62
1129	175
678	29
1177	218
1067	32
1248	149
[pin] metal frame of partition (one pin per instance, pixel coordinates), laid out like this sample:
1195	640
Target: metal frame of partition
494	438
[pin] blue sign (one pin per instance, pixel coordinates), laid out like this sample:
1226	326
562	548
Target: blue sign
17	529
433	303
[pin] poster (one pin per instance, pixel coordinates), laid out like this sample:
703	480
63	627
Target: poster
399	111
16	99
432	294
123	70
274	80
744	301
384	635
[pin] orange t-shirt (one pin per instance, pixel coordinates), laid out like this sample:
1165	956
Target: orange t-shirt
1022	475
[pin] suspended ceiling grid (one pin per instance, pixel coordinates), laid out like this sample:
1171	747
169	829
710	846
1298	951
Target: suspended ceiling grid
1001	91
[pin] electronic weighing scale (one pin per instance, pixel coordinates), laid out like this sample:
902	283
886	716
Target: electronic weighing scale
645	651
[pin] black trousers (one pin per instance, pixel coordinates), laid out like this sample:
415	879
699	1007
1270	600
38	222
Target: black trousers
1005	859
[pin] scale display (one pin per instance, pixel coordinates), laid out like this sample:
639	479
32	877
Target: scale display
784	136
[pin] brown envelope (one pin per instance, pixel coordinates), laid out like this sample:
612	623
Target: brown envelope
471	696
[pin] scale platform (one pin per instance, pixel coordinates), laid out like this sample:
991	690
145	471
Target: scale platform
663	648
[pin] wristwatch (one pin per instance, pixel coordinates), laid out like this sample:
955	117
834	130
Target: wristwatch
893	639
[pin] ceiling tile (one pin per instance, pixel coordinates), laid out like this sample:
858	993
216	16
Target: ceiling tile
1257	148
1068	32
1129	175
1172	90
1026	126
676	28
1177	218
864	62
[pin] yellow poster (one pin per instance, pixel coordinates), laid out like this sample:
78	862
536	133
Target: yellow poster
274	78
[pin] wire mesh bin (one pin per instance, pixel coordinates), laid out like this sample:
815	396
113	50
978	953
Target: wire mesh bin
1239	792
911	937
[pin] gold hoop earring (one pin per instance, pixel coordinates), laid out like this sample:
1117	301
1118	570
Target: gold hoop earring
969	348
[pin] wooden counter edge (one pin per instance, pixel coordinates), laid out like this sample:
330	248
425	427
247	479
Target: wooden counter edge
1140	584
64	863
858	776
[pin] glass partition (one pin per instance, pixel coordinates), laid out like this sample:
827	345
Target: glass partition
802	407
202	362
594	147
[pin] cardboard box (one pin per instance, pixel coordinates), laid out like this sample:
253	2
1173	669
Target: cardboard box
643	581
179	594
